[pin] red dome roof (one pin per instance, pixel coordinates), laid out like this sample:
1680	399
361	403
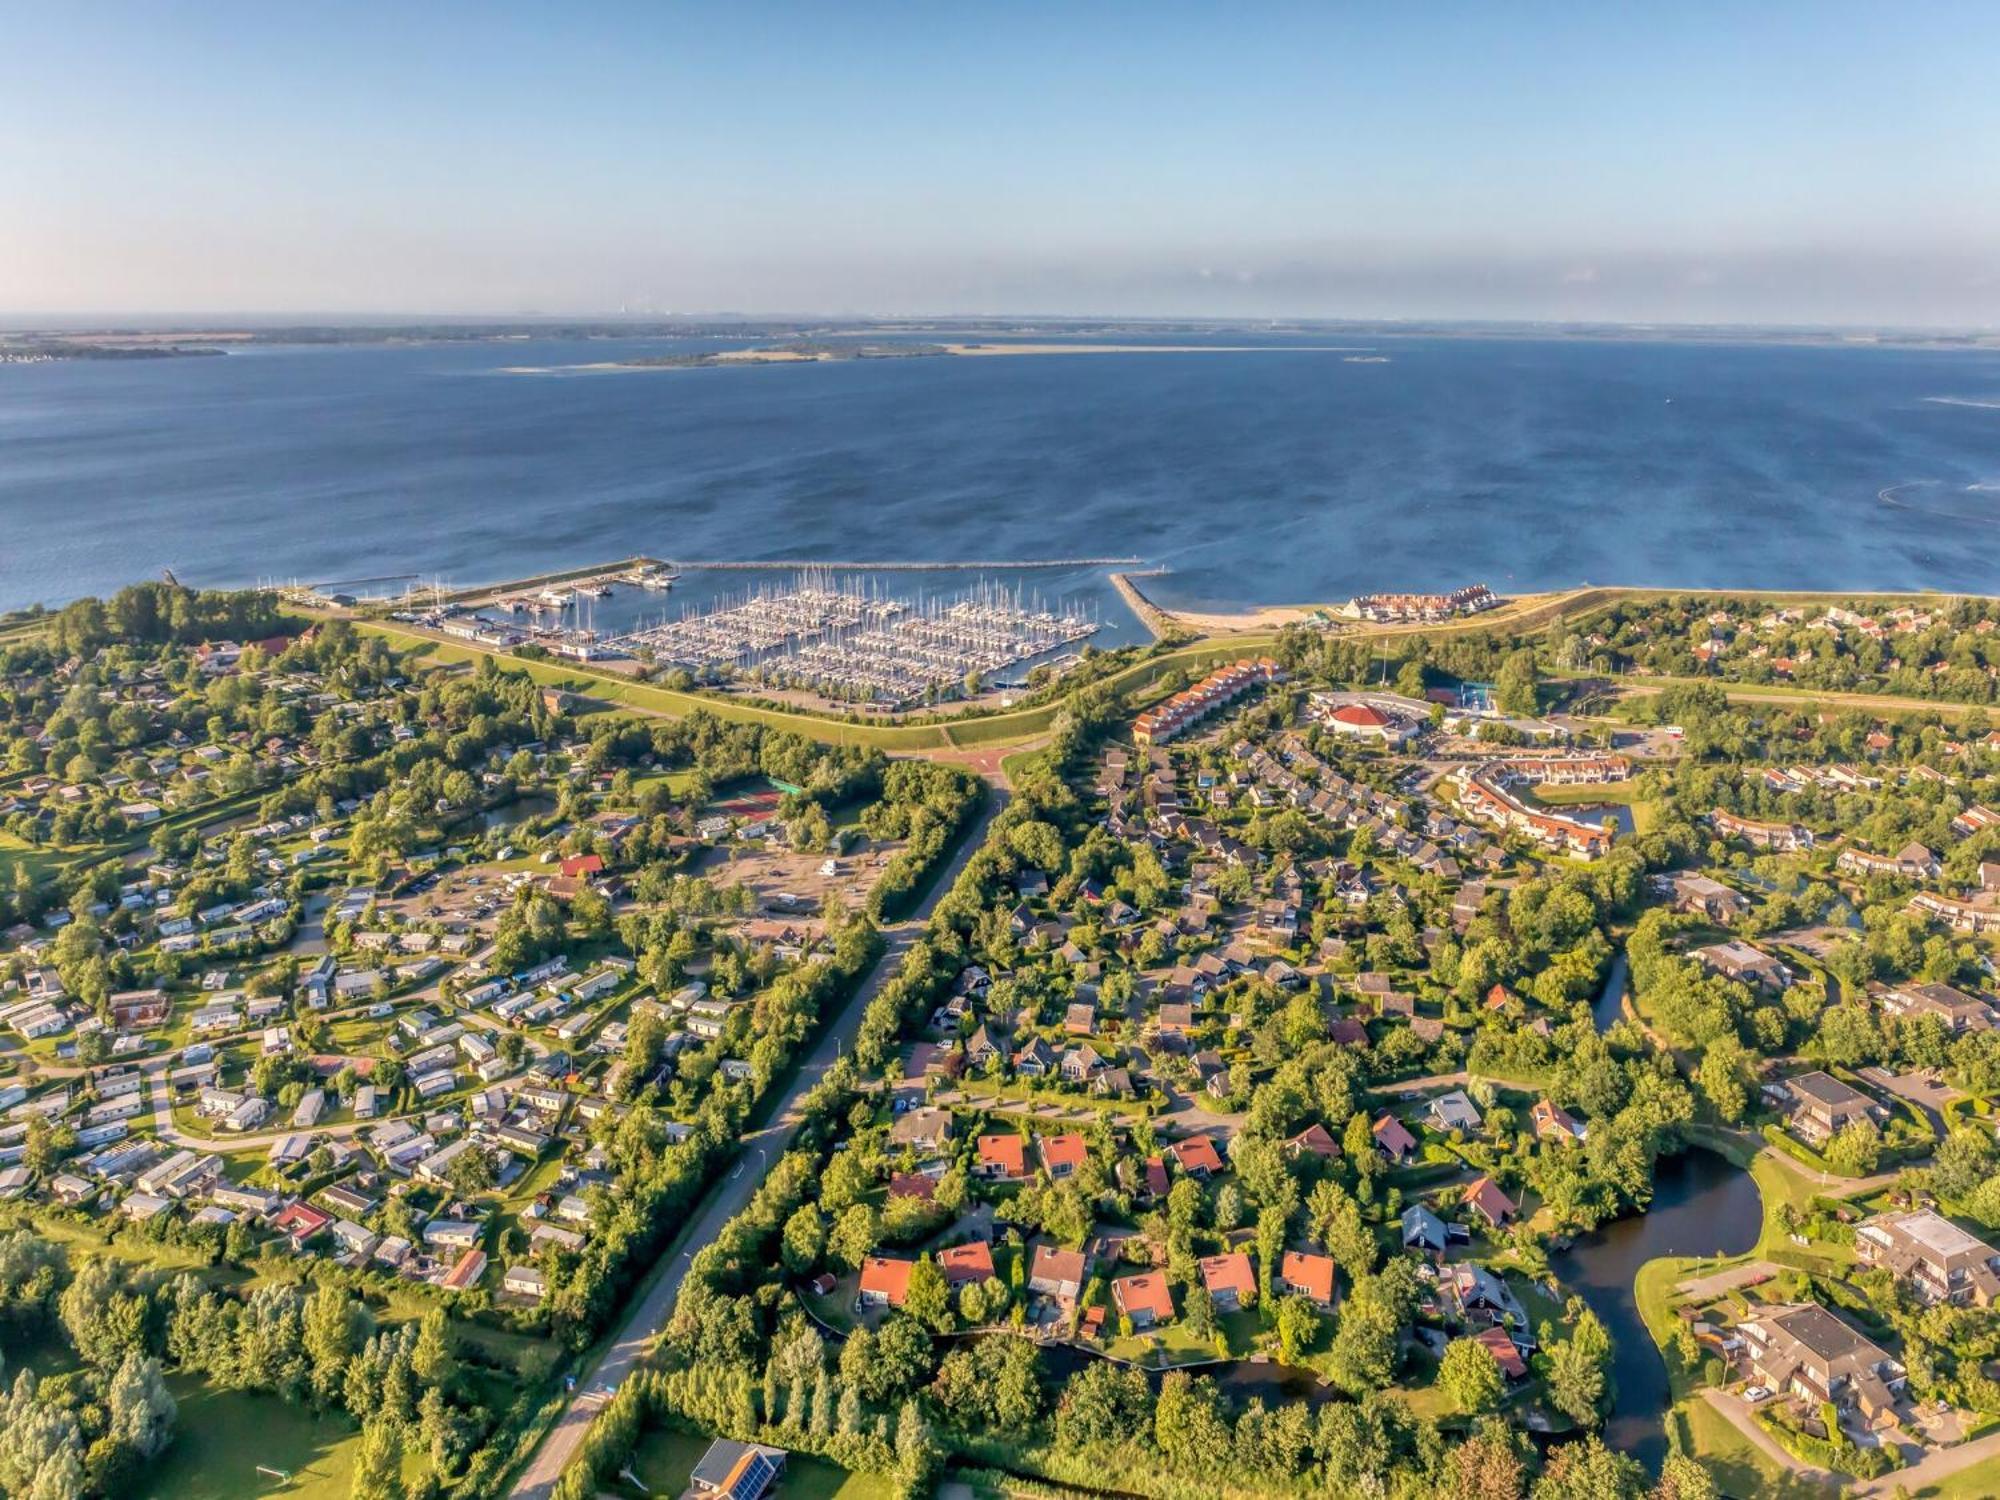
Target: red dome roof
1361	716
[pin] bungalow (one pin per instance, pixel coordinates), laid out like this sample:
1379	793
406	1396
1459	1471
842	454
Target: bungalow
925	1129
1001	1158
964	1263
1036	1059
1706	897
1424	1230
885	1281
1229	1281
1062	1154
1453	1111
465	1274
1495	1207
1144	1298
301	1223
1197	1156
524	1281
1304	1274
1506	1353
1744	963
730	1470
1314	1140
1081	1064
1553	1122
1057	1273
1393	1140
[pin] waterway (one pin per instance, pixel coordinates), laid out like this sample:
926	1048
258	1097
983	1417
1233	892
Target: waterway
1610	1006
1702	1205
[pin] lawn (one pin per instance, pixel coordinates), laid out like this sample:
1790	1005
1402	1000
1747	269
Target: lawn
666	1457
223	1435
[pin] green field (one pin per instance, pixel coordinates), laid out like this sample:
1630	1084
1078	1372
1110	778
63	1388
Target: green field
223	1435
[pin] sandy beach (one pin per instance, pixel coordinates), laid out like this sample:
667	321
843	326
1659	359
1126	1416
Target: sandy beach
984	349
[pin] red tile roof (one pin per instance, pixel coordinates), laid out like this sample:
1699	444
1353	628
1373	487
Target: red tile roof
887	1277
1393	1136
1492	1204
1145	1292
1504	1352
963	1263
1311	1274
1196	1154
1228	1273
1063	1151
1006	1152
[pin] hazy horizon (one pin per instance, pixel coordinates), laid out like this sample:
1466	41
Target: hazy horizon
1802	165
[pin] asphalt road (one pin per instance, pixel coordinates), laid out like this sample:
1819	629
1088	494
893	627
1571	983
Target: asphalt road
733	1192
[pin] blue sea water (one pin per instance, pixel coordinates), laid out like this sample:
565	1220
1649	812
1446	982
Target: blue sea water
1279	475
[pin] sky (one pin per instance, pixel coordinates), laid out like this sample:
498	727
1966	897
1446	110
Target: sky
1824	163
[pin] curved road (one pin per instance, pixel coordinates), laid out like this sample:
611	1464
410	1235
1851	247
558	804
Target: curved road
732	1193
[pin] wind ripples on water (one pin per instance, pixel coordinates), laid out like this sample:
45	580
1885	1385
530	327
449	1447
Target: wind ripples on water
1525	464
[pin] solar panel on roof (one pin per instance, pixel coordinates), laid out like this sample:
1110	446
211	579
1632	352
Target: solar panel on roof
752	1478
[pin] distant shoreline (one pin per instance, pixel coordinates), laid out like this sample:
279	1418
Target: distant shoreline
781	356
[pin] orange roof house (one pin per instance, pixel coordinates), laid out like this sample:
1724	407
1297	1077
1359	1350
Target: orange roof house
1062	1154
1551	1119
1504	1352
1314	1139
963	1263
1393	1138
885	1280
1004	1156
1308	1275
1144	1298
1197	1154
1229	1280
1485	1199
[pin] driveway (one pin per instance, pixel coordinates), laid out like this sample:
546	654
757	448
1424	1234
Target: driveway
1737	1410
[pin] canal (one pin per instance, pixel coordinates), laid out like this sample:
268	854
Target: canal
1610	1004
1702	1205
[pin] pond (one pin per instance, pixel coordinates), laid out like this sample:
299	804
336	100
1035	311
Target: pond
1701	1205
519	811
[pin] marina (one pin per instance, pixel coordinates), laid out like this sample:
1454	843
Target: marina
853	642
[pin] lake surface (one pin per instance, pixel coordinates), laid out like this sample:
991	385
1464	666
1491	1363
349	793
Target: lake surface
1277	475
1701	1206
